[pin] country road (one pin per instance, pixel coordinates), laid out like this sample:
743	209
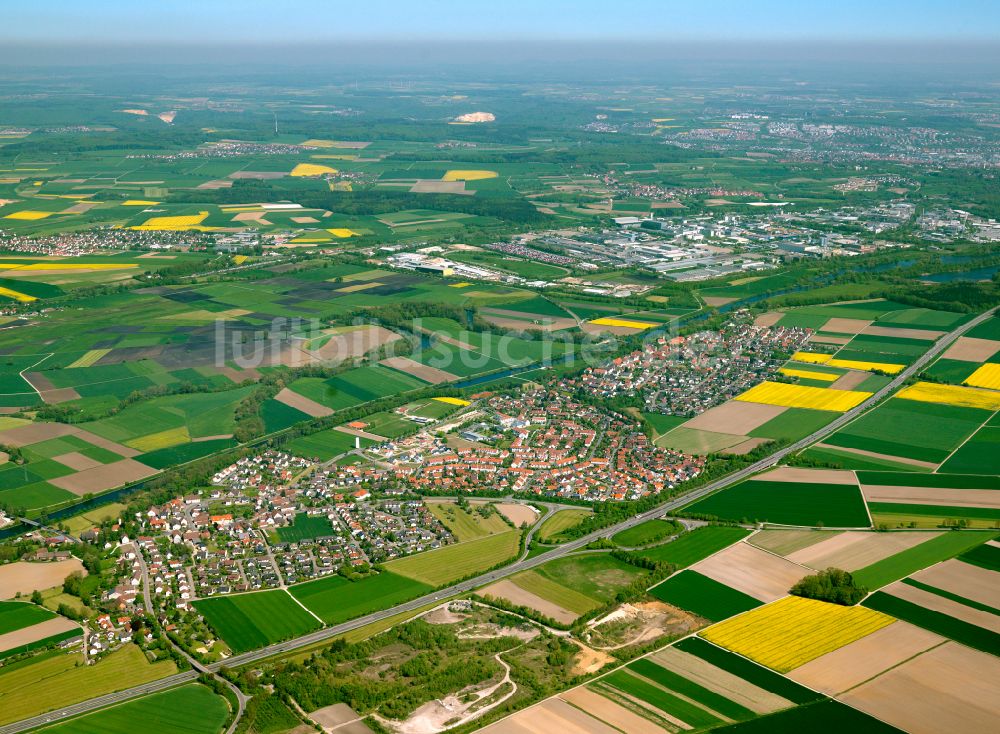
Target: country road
328	633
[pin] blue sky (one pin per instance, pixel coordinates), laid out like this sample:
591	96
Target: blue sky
206	21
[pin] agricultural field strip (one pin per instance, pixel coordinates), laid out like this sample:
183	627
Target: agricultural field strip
569	547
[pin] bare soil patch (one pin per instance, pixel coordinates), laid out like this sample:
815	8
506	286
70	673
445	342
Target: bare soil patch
355	343
35	632
106	476
964	579
300	402
849	380
548	717
828	339
927	600
715	679
768	319
866	658
76	461
25	577
903	333
950	688
517	513
589	660
104	443
330	717
717	300
251	217
784	542
49	393
434	186
421	371
812	476
755	572
853	549
735	417
35	432
970	349
610	712
845	326
513	593
933	496
363	434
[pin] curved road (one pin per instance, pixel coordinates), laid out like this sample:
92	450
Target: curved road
462	587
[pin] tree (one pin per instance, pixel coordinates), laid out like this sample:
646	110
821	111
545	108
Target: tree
36	597
832	585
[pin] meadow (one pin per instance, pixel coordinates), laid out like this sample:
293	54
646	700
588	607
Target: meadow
53	680
439	567
334	599
191	709
257	619
553	528
305	527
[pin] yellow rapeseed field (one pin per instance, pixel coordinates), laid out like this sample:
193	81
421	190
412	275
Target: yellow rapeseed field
311	169
792	631
453	401
17	295
624	323
458	175
967	397
139	202
803	396
987	376
852	364
29	215
190	221
88	359
460	285
812	357
808	374
342	232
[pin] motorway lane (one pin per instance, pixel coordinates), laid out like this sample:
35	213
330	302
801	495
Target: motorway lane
465	586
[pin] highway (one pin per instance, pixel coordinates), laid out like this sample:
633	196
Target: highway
328	633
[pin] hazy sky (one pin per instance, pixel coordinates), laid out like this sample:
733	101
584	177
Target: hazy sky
282	21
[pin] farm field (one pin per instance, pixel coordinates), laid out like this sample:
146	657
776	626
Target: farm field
940	548
745	568
646	533
468	524
703	596
442	566
324	445
787	503
256	619
550	531
334	599
305	527
191	709
695	545
54	680
792	631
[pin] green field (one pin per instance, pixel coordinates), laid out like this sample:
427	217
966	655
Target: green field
551	531
748	670
646	533
695	545
984	556
979	455
249	621
324	445
703	596
921	556
53	680
911	429
787	503
305	527
691	690
191	709
334	599
15	615
453	562
622	680
825	717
